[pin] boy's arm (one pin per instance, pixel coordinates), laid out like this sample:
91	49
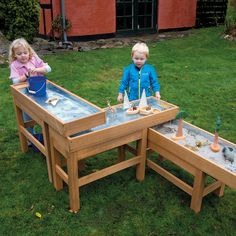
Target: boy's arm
155	83
154	80
123	84
124	81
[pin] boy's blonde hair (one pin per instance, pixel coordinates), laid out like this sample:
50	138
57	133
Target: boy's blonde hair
140	47
21	42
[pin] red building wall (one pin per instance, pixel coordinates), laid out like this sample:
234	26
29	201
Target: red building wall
94	17
87	17
176	13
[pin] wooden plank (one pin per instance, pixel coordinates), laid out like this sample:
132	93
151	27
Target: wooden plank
170	177
172	157
72	170
59	142
46	139
198	188
32	139
211	187
108	171
61	173
112	143
20	123
121	153
104	135
56	163
130	149
141	150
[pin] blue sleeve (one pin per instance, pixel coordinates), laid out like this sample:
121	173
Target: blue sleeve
124	84
154	80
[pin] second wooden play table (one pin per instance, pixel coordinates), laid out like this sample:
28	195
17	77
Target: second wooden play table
120	129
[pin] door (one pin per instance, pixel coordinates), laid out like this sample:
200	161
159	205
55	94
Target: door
133	16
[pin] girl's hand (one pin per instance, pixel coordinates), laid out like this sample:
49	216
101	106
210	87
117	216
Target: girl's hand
23	78
158	96
34	70
120	97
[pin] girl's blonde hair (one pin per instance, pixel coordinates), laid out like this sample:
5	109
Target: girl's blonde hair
21	42
140	47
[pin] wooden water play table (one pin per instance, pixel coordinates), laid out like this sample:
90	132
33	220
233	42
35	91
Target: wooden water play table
200	162
70	115
119	130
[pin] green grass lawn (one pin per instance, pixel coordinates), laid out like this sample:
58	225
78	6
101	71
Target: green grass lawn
198	74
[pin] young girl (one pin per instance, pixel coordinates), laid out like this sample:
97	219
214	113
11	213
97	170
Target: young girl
139	75
25	62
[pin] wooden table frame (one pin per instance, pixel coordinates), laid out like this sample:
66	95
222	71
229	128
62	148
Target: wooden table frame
23	103
192	163
78	148
24	135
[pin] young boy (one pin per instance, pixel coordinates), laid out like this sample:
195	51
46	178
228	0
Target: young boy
139	75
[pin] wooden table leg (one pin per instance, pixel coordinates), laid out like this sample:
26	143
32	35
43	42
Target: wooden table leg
220	191
198	188
72	169
56	161
121	153
142	147
20	123
45	131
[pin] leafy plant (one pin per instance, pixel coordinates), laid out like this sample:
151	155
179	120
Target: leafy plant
218	124
181	115
57	25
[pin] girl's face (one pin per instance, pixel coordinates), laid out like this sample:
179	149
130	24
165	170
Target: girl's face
22	54
139	59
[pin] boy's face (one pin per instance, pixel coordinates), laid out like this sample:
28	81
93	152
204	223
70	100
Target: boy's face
22	55
139	59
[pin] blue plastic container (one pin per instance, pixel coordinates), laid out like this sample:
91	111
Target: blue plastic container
39	137
37	85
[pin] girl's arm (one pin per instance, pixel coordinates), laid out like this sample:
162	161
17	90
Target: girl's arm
39	66
15	75
44	69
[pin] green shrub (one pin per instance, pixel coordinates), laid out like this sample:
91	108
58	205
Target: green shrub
21	19
230	21
2	13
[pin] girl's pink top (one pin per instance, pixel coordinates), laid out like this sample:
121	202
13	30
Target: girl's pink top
18	69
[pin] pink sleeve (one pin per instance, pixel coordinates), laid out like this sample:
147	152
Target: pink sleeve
38	62
14	73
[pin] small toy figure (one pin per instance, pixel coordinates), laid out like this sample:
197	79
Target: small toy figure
180	116
132	110
126	103
215	147
229	154
111	109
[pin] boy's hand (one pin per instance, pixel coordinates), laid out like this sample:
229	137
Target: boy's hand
120	97
158	96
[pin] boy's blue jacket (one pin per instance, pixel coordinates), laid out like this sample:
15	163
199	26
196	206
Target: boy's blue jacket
135	80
